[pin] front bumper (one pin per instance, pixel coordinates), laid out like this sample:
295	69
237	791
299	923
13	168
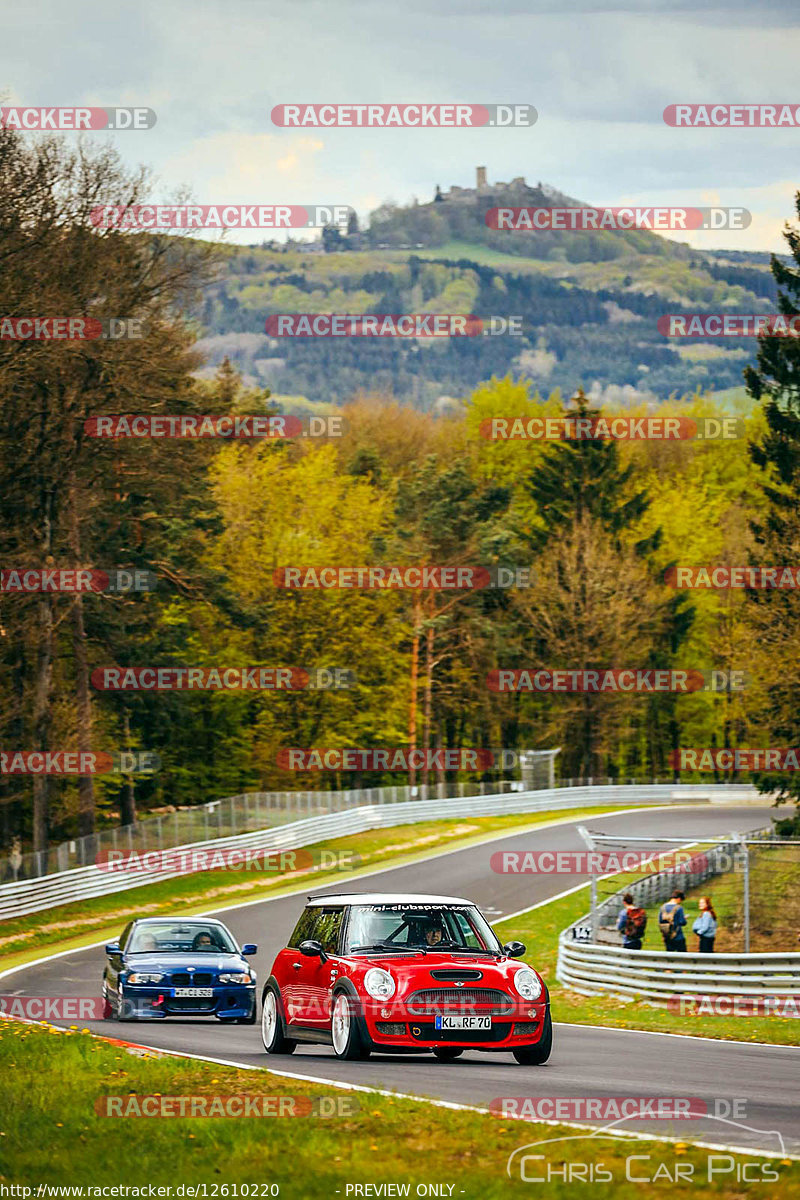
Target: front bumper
155	1002
394	1027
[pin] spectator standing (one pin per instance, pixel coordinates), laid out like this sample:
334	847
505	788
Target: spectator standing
706	926
631	923
671	922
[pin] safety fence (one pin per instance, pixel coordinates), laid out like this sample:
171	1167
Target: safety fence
603	966
80	883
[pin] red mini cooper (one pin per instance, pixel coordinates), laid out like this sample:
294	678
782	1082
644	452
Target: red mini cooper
401	974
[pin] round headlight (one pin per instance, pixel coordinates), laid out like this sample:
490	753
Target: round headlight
379	983
144	977
527	984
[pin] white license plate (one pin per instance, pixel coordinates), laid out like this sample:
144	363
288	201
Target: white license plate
194	991
445	1022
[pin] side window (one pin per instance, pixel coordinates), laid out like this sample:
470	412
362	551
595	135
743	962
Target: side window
305	927
329	928
126	933
468	934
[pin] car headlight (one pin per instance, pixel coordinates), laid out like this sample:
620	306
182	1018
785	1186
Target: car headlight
236	977
527	984
144	977
379	983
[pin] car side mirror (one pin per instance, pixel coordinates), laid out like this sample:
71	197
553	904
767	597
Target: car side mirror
514	949
113	948
313	949
249	948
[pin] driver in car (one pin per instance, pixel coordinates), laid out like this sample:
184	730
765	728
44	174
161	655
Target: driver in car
203	942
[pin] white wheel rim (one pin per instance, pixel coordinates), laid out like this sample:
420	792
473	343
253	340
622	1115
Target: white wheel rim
269	1020
340	1025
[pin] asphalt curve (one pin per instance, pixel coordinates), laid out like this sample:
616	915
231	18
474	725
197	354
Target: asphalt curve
586	1062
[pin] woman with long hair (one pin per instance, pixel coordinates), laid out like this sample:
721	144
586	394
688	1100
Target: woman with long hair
706	926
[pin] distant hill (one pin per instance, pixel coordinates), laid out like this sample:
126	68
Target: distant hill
589	303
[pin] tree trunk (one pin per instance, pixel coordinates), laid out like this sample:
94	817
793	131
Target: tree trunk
128	797
86	802
412	712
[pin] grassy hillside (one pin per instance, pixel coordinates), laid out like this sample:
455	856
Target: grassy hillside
589	304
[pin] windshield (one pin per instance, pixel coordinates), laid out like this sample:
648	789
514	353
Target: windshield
419	927
181	937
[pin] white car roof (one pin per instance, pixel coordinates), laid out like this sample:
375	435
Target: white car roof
410	898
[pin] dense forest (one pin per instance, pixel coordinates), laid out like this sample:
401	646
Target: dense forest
598	523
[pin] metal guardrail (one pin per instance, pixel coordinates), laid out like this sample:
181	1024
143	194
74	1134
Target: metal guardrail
593	968
83	883
249	812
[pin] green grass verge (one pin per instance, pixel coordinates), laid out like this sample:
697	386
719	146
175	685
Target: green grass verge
72	926
51	1134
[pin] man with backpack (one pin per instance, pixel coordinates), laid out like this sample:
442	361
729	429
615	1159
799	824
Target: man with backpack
631	924
671	920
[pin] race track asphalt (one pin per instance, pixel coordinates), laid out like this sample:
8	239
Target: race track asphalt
586	1062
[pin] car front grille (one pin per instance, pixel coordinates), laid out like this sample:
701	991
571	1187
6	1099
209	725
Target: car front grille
427	1032
190	1004
483	1001
199	979
524	1028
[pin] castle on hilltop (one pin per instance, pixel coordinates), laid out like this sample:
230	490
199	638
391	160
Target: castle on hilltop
483	190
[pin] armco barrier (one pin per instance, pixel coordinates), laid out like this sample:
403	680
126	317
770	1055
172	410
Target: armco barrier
83	883
593	968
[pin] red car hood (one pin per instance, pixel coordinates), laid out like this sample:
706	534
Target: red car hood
417	970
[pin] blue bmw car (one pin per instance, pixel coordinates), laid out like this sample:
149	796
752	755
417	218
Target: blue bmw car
162	967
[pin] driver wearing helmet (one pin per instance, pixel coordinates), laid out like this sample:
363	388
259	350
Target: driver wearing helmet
433	930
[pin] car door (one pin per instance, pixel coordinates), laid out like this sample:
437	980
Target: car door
115	962
312	980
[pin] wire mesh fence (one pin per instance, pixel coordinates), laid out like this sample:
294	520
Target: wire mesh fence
252	811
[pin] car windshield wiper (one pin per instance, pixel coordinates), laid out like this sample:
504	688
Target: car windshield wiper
470	950
384	946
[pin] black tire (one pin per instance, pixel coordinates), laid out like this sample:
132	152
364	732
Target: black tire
448	1053
534	1056
120	1013
272	1027
345	1028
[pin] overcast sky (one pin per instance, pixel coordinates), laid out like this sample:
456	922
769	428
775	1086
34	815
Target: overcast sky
600	76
